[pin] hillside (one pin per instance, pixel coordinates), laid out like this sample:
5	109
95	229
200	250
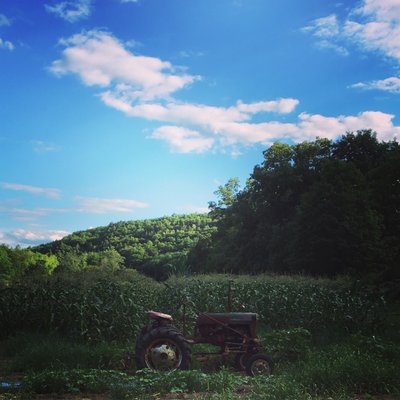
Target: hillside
142	244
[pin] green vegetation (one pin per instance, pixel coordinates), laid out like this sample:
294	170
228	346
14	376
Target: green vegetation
157	247
339	371
326	337
98	307
18	263
323	208
70	310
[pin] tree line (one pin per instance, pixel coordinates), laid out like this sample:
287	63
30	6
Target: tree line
322	207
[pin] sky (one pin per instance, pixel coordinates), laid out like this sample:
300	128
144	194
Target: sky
116	110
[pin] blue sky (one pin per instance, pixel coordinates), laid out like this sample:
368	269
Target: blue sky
119	109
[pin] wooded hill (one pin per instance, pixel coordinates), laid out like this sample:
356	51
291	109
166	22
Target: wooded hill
155	246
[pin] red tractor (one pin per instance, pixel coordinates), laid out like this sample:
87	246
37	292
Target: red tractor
162	346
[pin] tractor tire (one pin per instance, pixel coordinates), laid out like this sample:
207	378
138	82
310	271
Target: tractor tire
259	364
163	349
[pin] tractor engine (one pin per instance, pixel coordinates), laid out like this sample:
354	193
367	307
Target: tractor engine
229	329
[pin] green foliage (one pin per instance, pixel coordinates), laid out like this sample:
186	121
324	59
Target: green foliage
321	207
86	305
276	388
97	307
148	245
349	369
16	263
287	344
72	381
40	352
324	307
129	387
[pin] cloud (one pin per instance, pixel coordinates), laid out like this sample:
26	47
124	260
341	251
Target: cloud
39	146
195	209
310	126
325	27
30	214
327	45
6	44
4	21
85	205
71	11
391	85
26	237
48	192
232	126
100	59
281	106
103	206
142	87
373	26
182	140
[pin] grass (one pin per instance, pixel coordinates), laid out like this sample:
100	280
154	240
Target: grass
329	339
359	365
34	352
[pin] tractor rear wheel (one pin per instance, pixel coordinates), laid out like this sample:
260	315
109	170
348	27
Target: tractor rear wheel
164	349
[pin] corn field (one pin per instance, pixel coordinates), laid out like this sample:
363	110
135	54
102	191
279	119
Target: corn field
113	309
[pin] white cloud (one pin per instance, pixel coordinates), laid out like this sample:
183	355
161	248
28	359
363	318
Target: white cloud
27	237
182	140
101	60
40	146
48	192
195	209
372	26
6	44
391	84
228	127
142	86
103	206
4	21
328	45
38	235
310	126
325	27
71	11
281	106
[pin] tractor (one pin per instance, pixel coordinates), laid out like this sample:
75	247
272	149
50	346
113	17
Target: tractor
162	346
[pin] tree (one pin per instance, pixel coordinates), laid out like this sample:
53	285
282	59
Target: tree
320	207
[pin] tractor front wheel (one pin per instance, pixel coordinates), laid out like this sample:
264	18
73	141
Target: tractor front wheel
163	349
259	364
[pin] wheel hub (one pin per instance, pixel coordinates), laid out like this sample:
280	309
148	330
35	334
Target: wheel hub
260	367
163	357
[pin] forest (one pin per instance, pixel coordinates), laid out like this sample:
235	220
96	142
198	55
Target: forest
311	243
